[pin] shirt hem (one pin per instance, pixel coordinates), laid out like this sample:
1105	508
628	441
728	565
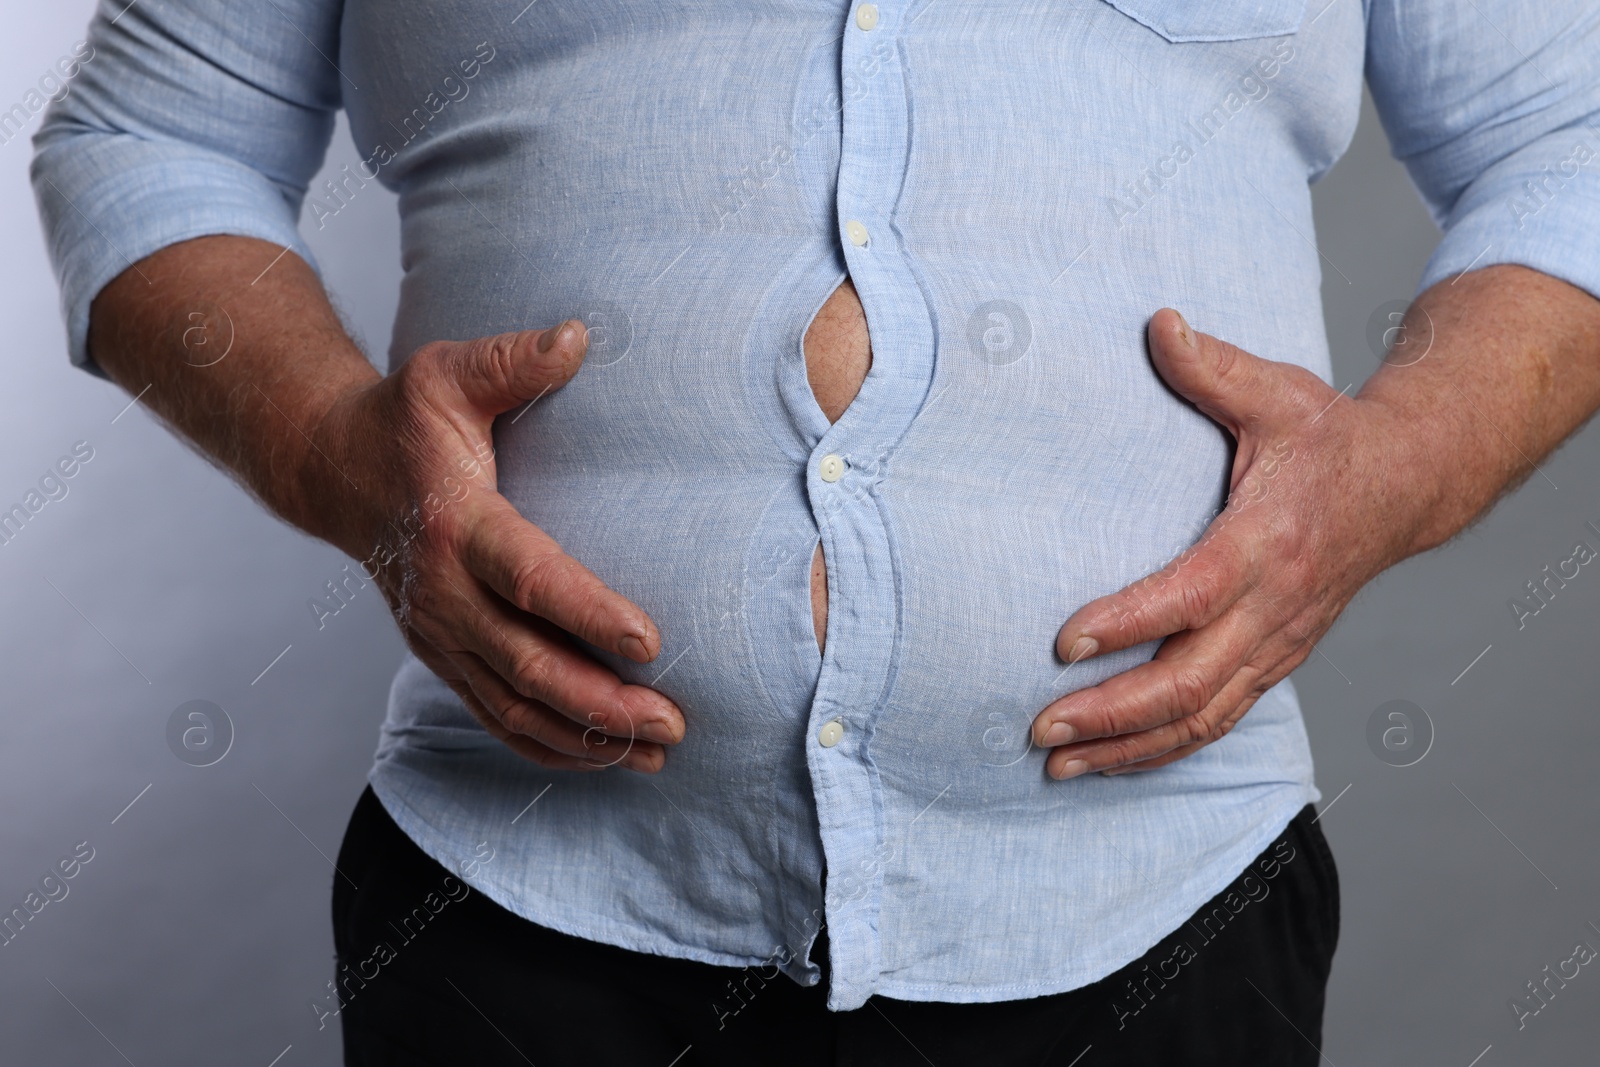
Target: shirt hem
607	932
957	994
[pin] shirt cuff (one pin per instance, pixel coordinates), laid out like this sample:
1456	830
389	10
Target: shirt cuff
109	200
1539	207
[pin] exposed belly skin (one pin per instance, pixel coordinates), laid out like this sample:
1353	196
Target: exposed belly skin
838	355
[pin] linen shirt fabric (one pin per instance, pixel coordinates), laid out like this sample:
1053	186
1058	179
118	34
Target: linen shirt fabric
1014	186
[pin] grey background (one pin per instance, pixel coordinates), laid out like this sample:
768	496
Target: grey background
200	930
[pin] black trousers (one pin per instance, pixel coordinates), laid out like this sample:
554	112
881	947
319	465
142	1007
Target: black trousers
463	981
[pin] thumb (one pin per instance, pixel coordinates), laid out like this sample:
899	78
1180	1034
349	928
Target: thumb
1228	384
496	374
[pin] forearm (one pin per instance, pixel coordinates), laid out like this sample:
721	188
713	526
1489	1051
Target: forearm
1512	370
160	327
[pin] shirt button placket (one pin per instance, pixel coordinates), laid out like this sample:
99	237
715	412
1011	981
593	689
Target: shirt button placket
848	463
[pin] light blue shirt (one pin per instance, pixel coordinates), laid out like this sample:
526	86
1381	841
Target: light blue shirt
1014	187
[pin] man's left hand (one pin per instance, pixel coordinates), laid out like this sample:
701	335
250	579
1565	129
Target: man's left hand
1314	512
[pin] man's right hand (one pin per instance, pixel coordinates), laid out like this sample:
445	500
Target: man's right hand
482	596
398	471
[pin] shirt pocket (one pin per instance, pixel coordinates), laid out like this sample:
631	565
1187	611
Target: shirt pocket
1215	20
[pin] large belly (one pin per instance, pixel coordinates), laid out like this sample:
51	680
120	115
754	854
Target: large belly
676	468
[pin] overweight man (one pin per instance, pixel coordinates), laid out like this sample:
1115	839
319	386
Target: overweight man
853	478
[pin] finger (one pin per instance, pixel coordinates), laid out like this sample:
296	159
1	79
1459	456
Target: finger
539	723
1069	761
1184	678
526	747
1231	386
1183	751
496	374
452	675
1292	657
525	566
536	661
1190	592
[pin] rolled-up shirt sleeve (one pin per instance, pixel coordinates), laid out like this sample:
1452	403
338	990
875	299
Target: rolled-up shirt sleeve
189	118
1494	108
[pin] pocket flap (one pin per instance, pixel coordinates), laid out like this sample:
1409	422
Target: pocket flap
1215	20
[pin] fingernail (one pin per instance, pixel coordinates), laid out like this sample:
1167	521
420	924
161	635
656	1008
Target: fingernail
652	716
1183	329
634	649
1083	647
1072	768
548	339
1060	733
659	732
642	762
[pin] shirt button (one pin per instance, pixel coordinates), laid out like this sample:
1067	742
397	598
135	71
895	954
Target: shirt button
867	16
831	468
830	733
857	232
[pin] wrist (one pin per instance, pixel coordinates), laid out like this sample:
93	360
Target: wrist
1417	499
328	487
